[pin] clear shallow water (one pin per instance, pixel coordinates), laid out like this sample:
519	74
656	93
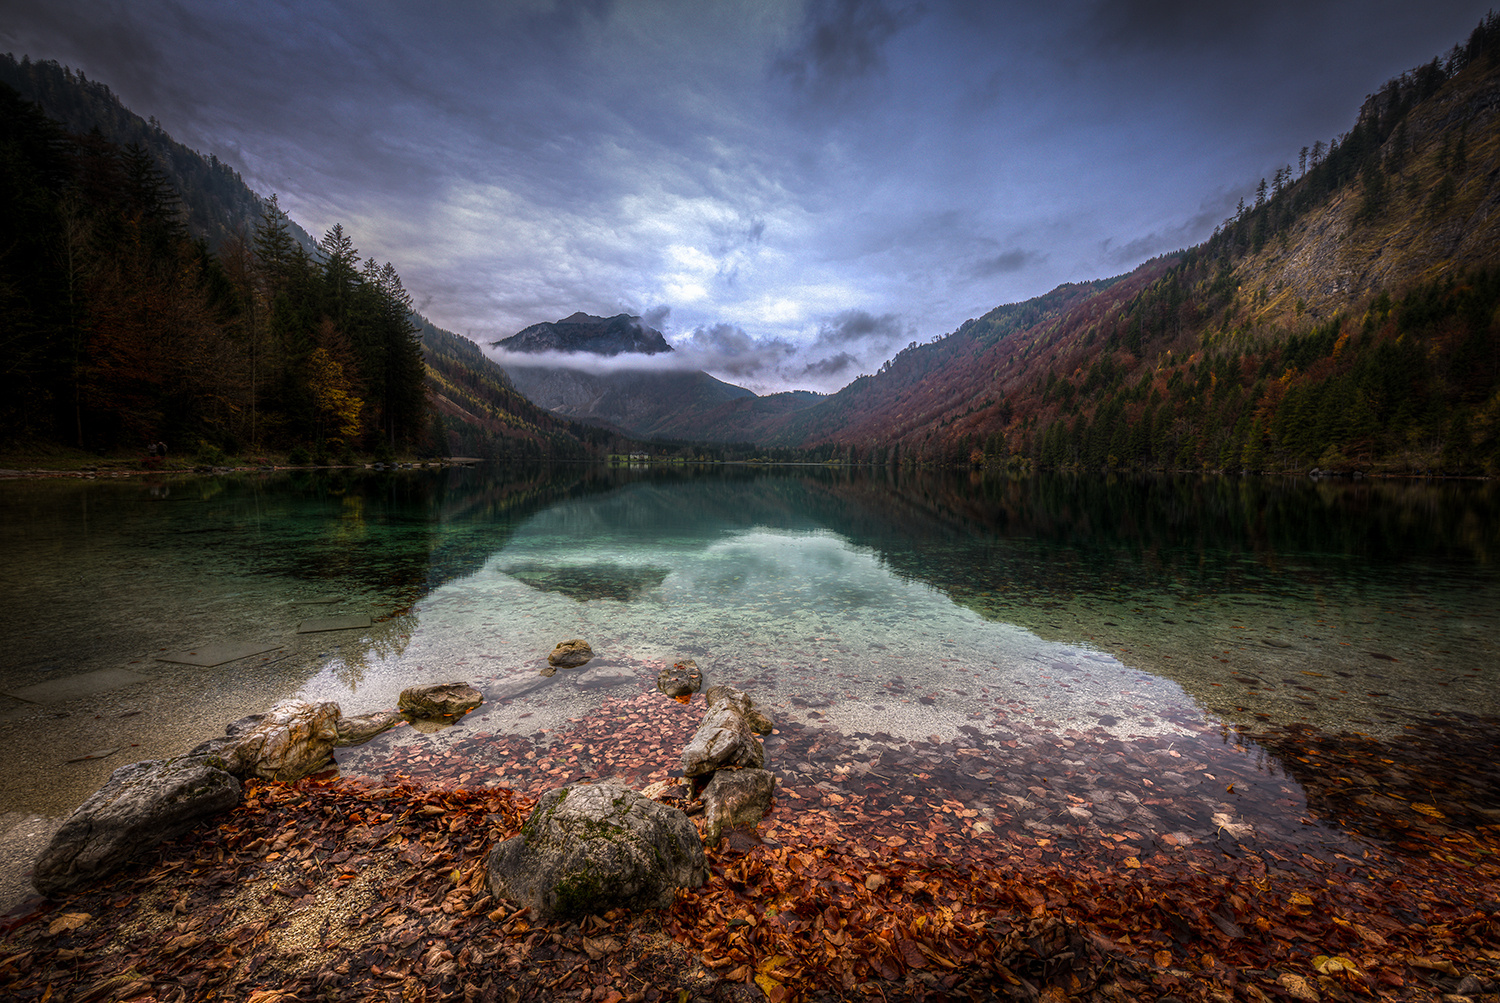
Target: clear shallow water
920	607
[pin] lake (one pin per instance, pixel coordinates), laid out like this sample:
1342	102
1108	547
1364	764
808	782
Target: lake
1058	655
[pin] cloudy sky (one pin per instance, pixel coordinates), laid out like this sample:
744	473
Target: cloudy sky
790	191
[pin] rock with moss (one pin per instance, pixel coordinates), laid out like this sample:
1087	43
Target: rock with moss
440	701
293	739
724	738
139	806
736	799
588	848
570	654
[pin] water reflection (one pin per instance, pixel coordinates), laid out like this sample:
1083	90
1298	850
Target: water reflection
900	612
585	582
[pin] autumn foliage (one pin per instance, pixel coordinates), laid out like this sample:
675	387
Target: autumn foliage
898	876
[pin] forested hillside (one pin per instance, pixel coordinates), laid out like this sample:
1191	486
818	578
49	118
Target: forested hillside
149	296
1345	318
478	411
216	202
122	329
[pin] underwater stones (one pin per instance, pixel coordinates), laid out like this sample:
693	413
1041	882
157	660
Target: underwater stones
570	654
680	680
288	742
439	701
359	730
734	799
587	848
724	738
139	806
601	678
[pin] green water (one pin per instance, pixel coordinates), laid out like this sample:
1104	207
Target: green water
913	605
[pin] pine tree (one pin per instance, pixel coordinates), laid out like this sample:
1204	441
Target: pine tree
340	276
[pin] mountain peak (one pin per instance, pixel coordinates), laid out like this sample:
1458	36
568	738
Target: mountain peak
582	332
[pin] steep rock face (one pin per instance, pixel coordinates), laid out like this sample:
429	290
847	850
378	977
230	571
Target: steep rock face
1339	253
585	333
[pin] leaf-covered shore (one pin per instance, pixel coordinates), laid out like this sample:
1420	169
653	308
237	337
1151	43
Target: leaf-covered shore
891	870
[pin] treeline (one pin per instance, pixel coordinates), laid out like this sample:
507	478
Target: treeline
1209	358
217	203
1411	387
1370	154
121	329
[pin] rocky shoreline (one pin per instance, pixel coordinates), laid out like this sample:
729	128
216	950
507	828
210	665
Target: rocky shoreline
881	869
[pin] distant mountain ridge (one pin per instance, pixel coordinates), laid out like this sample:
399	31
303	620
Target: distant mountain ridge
583	332
688	405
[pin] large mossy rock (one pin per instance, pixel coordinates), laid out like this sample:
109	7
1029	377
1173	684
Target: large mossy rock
724	738
588	848
139	806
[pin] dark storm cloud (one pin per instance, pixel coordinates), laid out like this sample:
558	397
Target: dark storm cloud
857	325
842	43
727	349
779	188
835	365
1005	263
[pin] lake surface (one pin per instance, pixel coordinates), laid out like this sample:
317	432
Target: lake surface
1062	636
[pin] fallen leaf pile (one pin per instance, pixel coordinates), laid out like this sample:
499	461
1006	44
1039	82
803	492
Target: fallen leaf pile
1013	862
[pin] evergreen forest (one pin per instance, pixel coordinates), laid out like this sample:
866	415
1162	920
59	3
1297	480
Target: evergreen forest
122	328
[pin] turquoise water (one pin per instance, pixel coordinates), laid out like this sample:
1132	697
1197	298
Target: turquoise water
915	606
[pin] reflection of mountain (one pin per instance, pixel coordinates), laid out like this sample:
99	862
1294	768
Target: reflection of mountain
590	581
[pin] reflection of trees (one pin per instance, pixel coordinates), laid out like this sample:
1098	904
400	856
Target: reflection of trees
384	639
1061	534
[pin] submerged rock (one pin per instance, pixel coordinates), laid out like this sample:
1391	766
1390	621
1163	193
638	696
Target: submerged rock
724	738
680	680
570	654
359	730
440	700
736	799
139	806
588	848
288	742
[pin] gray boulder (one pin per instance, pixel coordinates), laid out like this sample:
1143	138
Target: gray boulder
439	701
588	848
291	740
570	654
680	680
139	806
736	799
724	738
